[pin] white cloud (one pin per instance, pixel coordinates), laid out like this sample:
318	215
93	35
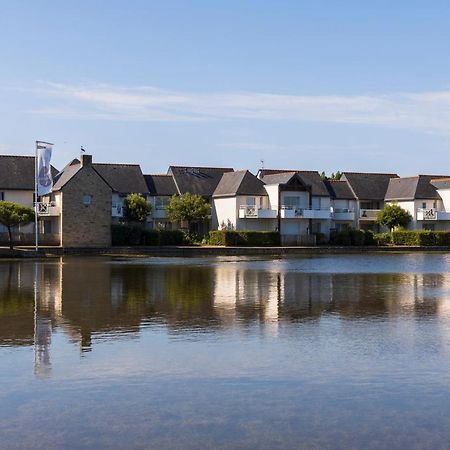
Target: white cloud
426	111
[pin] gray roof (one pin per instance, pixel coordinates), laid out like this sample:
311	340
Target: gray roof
368	186
17	172
241	182
443	183
123	178
310	178
197	180
339	190
411	188
66	174
163	185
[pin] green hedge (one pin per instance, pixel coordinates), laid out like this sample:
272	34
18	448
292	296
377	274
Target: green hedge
137	235
244	238
421	238
352	237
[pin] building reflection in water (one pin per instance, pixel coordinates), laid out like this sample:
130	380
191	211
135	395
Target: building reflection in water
92	300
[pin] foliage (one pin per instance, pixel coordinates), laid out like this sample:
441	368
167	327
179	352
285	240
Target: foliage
190	208
421	238
352	237
13	215
393	216
136	208
130	235
383	238
244	238
335	176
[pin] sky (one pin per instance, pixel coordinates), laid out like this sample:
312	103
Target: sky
311	85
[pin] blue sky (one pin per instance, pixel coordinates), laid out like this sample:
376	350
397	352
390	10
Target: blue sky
326	85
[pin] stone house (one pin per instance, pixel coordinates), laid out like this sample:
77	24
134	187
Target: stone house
79	207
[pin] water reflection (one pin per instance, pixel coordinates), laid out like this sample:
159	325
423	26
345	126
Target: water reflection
89	299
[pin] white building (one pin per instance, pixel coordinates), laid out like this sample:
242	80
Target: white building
343	205
369	190
421	198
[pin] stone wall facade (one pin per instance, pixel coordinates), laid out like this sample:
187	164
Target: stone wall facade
86	210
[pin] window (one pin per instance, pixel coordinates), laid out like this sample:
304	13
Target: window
87	200
424	205
435	204
292	202
161	202
251	201
2	196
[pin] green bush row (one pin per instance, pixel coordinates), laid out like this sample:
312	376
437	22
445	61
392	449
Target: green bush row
352	237
415	238
137	235
230	238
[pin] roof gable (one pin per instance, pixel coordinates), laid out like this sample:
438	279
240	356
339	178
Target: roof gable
411	188
309	178
339	190
241	182
368	186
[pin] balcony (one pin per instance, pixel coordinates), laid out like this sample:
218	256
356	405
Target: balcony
289	212
343	214
50	209
369	214
432	215
252	212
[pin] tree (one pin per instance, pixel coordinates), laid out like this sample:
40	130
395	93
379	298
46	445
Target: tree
393	216
187	207
136	208
336	176
13	215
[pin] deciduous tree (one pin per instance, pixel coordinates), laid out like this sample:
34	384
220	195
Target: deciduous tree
12	215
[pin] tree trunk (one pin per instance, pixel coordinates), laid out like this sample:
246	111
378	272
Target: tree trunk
10	239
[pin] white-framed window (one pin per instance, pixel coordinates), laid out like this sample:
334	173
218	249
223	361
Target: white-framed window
292	202
424	205
161	202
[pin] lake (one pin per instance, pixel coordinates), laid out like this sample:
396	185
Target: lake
338	351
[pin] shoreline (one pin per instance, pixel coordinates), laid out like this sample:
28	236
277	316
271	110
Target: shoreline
193	251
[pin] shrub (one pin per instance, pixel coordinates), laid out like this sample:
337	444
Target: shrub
352	237
421	238
383	238
230	238
136	235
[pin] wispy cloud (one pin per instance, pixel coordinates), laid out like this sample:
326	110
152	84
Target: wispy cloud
426	111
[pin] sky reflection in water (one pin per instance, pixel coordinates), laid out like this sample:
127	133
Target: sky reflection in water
325	352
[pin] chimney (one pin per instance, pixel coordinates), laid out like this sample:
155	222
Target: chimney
86	160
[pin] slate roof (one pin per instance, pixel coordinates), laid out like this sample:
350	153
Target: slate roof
339	190
123	178
309	177
411	188
442	183
368	186
66	174
197	180
17	172
163	185
241	182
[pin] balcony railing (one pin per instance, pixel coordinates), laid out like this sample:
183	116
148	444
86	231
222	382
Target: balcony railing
432	214
253	212
291	212
50	209
343	214
369	214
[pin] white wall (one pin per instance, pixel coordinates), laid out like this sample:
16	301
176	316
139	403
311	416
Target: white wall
272	192
224	209
445	195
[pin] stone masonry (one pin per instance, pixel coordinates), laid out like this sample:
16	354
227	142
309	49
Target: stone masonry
86	209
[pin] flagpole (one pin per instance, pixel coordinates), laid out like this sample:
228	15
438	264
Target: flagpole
36	229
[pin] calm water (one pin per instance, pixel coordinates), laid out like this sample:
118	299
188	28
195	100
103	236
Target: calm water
321	352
